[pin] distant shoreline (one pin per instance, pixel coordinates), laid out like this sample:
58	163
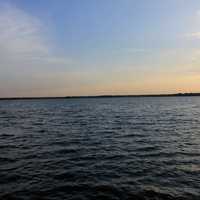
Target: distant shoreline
104	96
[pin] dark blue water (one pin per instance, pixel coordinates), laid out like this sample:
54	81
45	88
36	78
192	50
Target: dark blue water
112	148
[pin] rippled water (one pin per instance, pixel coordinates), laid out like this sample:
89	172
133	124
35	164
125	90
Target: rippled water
112	148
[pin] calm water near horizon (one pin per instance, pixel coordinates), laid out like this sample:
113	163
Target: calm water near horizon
113	148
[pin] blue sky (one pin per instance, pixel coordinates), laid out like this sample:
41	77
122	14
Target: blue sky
76	47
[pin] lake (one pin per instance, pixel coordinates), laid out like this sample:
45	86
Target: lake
100	148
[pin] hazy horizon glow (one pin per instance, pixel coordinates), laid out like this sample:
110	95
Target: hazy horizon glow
91	47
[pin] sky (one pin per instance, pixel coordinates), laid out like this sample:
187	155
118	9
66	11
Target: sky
99	47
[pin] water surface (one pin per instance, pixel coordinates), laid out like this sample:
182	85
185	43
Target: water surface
100	148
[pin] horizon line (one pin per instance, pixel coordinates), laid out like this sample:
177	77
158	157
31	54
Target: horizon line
102	96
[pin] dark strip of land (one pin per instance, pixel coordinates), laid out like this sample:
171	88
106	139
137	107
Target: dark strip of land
104	96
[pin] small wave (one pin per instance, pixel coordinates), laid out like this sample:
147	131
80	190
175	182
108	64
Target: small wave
66	151
131	135
8	146
6	159
148	148
97	192
6	136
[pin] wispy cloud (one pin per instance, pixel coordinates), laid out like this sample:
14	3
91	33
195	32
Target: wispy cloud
25	52
20	35
198	13
195	35
22	39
